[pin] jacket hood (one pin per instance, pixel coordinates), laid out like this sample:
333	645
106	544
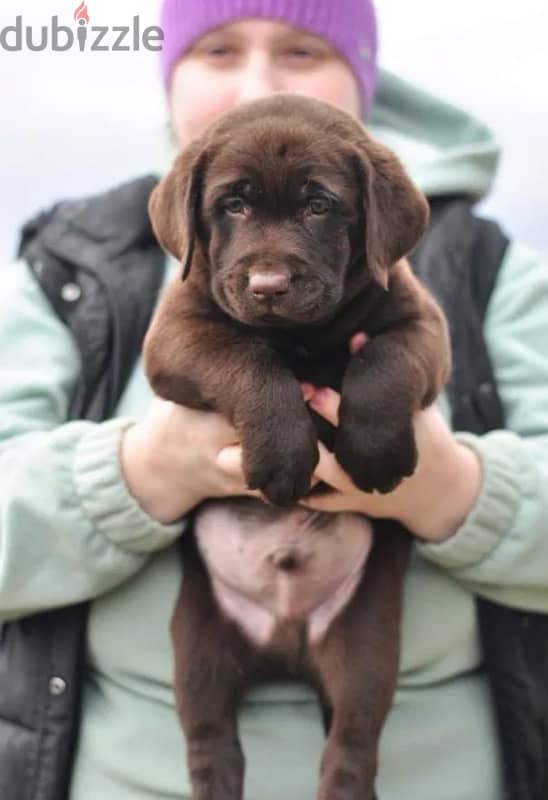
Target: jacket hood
444	149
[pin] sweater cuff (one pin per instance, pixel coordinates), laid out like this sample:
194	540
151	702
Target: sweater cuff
506	477
104	495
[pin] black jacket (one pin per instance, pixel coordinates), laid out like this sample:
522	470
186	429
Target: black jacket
105	246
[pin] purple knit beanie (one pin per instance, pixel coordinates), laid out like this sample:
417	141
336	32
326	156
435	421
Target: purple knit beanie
348	25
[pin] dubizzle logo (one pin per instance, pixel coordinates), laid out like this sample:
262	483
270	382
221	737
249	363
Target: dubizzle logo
102	38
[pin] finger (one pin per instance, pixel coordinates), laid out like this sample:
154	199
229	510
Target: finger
332	502
357	342
372	505
326	403
330	471
225	435
344	495
308	390
229	460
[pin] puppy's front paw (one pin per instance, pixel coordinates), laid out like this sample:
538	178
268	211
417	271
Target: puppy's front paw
376	456
280	461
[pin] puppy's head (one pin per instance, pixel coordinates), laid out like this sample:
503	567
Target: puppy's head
289	208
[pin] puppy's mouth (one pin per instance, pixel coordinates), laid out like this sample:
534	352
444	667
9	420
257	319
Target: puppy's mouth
302	302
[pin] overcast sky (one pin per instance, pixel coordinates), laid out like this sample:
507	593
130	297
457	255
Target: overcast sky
74	123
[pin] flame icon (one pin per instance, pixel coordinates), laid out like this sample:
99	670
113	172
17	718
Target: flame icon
81	14
82	18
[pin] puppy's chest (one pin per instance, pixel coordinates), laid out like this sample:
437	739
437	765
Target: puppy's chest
325	367
320	368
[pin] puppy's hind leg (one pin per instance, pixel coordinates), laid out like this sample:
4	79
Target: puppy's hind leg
356	666
327	720
212	667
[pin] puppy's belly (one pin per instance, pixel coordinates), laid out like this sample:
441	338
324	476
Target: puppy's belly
270	567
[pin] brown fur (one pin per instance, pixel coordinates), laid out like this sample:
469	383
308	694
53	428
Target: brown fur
215	344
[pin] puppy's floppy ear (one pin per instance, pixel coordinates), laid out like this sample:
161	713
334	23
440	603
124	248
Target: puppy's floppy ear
396	213
174	205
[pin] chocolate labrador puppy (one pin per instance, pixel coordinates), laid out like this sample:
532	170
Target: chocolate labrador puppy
291	225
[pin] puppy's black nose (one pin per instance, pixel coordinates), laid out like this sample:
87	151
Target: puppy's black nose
268	283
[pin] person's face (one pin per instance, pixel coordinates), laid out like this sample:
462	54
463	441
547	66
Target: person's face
249	59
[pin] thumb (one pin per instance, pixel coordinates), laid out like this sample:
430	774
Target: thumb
326	402
229	459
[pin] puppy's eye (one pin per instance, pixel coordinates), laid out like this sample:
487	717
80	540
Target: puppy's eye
234	205
318	205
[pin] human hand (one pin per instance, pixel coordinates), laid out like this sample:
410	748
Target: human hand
432	503
169	460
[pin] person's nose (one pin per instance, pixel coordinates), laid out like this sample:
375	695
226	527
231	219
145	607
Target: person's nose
259	78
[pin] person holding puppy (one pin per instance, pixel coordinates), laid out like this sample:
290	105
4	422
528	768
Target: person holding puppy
91	509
